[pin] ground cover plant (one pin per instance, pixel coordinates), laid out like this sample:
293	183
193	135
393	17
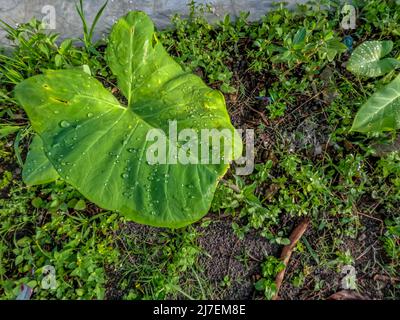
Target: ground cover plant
294	78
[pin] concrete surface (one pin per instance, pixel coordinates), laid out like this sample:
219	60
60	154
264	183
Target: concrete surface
60	15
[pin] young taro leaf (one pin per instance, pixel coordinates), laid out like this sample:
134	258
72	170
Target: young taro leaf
37	168
100	147
367	59
381	112
6	130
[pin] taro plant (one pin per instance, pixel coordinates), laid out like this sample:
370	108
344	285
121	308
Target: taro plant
99	145
269	269
382	110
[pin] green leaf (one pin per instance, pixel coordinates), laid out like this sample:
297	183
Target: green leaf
6	130
58	60
282	241
382	110
367	59
261	284
99	146
333	48
37	168
37	202
65	46
86	69
18	260
32	284
80	205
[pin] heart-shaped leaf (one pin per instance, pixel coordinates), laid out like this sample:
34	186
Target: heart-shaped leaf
368	59
101	147
382	110
37	168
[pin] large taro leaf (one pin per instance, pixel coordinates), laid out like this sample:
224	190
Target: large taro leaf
382	110
99	146
368	59
37	168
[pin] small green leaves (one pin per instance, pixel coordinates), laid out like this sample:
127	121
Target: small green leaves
368	59
381	112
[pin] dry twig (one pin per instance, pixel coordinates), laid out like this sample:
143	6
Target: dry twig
287	252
